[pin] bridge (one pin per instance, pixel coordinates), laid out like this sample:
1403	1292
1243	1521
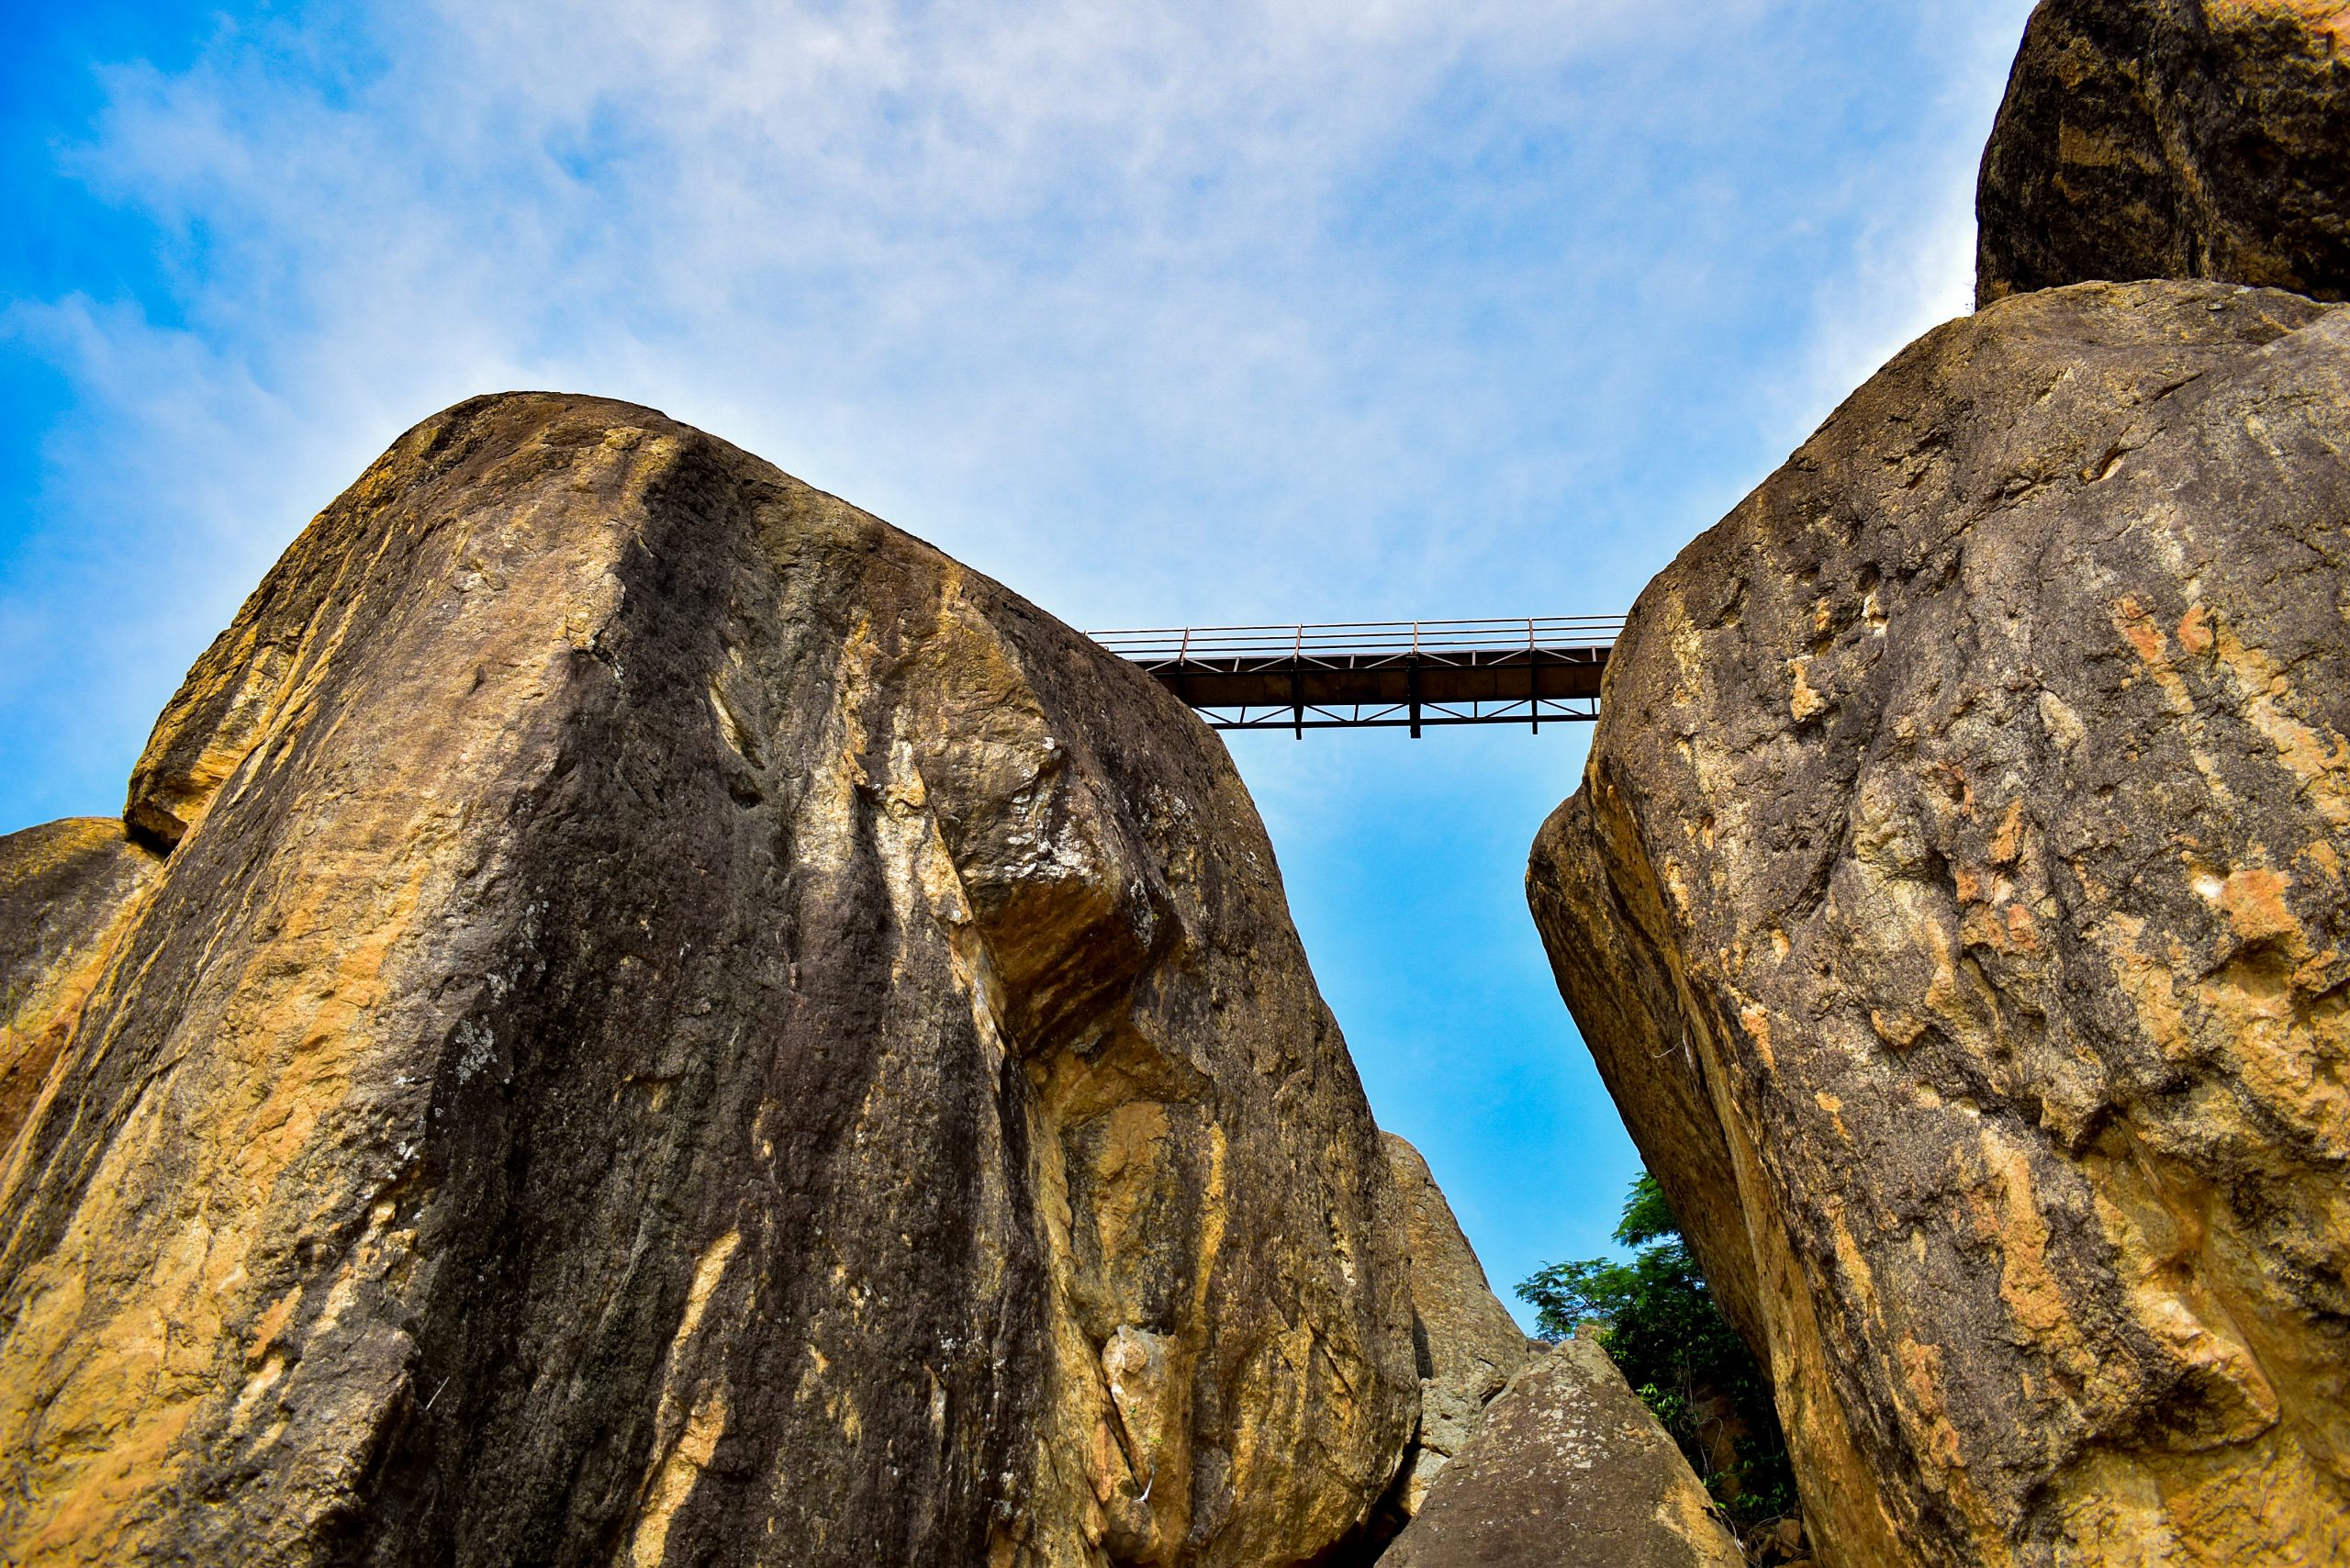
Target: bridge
1380	674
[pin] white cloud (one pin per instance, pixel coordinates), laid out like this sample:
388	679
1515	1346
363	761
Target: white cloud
1155	310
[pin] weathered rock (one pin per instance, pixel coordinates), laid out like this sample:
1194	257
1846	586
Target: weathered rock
681	1026
65	890
1568	1469
2177	138
1467	1344
1954	904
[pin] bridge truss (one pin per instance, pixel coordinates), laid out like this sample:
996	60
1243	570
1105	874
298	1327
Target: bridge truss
1380	674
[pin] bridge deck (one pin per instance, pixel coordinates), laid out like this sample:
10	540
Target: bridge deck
1380	674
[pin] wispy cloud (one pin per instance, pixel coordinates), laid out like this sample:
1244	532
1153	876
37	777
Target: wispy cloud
1156	311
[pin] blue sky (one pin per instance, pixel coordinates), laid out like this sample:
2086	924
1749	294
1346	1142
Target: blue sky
1159	312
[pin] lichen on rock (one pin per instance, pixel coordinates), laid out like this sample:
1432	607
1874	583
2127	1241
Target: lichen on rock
680	1024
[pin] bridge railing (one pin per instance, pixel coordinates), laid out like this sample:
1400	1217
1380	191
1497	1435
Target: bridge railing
1374	674
1355	645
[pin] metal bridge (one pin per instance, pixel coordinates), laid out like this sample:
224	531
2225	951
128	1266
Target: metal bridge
1380	674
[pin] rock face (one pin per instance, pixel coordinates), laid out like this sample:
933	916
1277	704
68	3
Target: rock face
2179	139
65	890
679	1025
1569	1470
1954	904
1467	1343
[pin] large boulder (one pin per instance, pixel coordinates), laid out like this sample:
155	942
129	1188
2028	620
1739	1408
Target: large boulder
1568	1469
679	1025
1467	1343
1956	905
2178	139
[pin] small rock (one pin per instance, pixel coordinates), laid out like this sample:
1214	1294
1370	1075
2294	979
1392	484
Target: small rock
1568	1469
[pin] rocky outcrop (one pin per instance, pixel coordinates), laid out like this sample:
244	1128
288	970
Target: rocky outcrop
679	1025
1568	1469
2178	139
65	890
1954	904
1467	1343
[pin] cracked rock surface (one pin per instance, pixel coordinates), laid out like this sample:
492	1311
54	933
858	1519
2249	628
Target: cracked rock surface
679	1025
1956	906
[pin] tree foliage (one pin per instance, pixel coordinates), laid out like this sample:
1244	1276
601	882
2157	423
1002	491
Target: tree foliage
1661	1326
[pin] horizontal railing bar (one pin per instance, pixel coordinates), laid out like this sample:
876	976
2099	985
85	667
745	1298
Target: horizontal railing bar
1518	620
1284	720
1332	658
1425	636
1489	707
1227	646
1395	636
1429	637
1337	657
1426	643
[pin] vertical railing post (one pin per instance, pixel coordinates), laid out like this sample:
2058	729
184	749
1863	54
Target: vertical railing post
1297	685
1411	679
1533	679
1182	668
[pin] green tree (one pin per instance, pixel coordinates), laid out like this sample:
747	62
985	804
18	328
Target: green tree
1661	1326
